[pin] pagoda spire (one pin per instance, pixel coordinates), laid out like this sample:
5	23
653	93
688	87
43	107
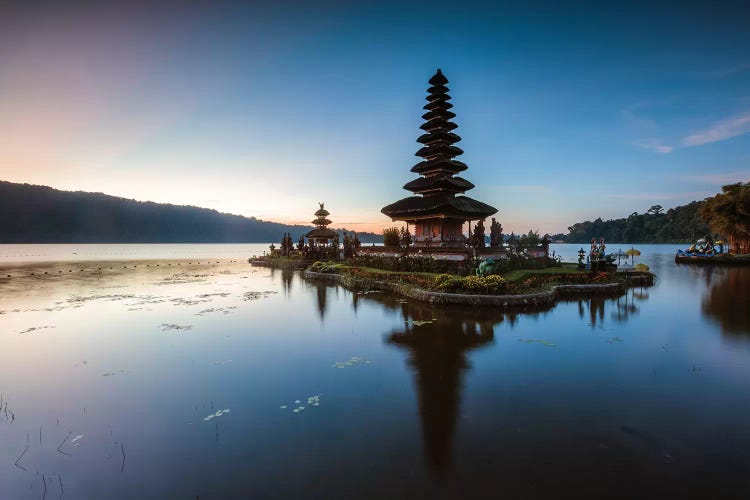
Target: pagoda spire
321	216
439	166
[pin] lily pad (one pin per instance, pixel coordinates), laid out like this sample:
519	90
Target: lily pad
216	415
538	341
354	360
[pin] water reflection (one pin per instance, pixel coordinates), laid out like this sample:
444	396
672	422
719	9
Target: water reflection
437	353
287	276
438	341
624	307
662	409
727	301
322	295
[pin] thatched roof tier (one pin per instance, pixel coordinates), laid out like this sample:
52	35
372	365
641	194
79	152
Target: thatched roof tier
438	78
439	136
321	233
461	207
438	104
435	97
438	124
322	213
424	185
321	221
439	150
438	90
439	113
439	165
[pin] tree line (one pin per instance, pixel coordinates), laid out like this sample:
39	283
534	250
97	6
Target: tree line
723	216
40	214
680	224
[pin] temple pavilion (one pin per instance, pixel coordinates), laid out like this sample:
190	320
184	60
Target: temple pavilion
321	235
436	211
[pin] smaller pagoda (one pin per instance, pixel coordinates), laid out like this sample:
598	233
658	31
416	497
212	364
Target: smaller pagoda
321	235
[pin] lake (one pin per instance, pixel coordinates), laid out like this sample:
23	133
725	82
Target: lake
179	371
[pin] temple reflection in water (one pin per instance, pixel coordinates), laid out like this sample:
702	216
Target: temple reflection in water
437	353
438	341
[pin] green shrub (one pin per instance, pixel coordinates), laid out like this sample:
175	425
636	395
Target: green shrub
391	237
492	284
324	267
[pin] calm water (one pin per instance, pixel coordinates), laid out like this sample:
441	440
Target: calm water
117	384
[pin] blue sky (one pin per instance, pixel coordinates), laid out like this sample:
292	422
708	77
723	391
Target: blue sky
566	113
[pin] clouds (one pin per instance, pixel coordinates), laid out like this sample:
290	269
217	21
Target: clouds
722	130
655	145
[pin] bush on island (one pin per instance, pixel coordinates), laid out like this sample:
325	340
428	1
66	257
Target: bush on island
324	267
492	284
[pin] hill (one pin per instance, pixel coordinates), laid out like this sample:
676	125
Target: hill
40	214
680	224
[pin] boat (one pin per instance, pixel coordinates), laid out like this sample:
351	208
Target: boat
722	259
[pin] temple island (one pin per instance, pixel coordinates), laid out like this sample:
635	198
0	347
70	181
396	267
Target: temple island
438	211
442	253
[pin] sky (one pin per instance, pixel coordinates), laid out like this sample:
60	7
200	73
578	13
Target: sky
567	113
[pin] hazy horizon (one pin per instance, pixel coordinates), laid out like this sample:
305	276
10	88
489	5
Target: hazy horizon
566	114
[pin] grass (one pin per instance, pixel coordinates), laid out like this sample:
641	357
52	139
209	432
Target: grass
282	259
373	270
520	274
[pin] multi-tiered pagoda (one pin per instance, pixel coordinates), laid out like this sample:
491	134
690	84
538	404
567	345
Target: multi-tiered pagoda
436	212
321	235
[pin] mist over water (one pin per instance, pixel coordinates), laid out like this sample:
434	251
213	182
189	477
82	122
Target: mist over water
166	377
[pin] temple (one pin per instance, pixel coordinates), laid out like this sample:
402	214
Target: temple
436	212
321	235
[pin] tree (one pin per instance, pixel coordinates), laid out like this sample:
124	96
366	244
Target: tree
529	240
496	234
477	239
405	237
512	240
655	210
286	244
391	237
728	213
348	247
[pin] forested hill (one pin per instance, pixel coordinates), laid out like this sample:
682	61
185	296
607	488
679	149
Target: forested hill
677	225
40	214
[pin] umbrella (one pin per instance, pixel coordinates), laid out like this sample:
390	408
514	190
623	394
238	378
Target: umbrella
632	252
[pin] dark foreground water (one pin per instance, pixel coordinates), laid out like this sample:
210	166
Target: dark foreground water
183	381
